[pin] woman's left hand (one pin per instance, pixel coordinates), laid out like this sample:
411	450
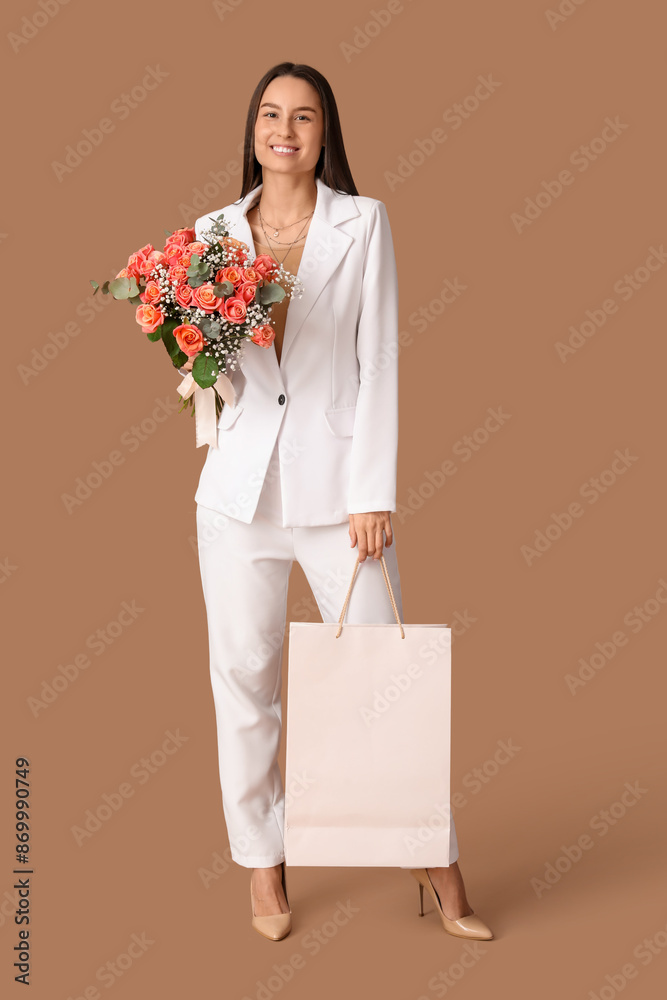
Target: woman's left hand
367	529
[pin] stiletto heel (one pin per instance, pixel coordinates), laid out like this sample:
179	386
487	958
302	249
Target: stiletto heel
274	926
470	926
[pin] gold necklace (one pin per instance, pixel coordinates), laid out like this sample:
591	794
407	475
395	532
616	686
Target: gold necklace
277	229
291	244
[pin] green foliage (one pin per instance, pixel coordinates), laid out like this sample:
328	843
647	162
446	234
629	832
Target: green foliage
270	293
223	289
168	339
124	288
210	327
204	371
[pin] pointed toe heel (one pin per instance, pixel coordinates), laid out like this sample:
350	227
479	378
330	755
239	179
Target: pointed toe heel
274	926
471	926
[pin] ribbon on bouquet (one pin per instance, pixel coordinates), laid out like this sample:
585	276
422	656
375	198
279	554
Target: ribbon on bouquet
206	428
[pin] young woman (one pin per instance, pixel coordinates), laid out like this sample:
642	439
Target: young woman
305	467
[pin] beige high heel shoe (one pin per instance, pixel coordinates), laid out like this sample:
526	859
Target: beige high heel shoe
470	926
274	926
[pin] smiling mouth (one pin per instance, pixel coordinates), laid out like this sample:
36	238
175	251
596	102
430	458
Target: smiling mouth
285	149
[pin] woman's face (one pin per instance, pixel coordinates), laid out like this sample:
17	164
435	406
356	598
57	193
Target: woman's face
289	130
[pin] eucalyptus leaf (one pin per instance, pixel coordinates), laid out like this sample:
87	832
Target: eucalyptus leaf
120	288
220	225
196	270
210	327
223	288
271	293
195	281
94	284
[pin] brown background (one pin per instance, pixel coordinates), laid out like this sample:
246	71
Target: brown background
67	574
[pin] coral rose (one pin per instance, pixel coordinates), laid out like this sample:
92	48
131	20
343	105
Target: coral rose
177	274
263	335
230	273
234	310
173	253
132	268
252	274
151	293
183	295
144	252
205	298
145	266
177	238
191	248
149	318
264	263
189	339
157	257
182	236
246	291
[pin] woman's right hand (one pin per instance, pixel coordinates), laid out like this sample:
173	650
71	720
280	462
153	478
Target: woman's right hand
188	365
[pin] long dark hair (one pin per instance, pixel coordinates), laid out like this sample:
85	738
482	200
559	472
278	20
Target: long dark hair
332	166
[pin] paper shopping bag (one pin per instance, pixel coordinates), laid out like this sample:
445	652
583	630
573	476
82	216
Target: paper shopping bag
368	743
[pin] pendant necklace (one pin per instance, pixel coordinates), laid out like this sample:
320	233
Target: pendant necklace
261	222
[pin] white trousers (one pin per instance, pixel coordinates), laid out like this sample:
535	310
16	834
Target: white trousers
245	570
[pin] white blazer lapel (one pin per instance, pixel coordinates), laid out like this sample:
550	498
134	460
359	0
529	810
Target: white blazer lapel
323	251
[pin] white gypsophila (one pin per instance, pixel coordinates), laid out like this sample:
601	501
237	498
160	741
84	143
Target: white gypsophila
226	347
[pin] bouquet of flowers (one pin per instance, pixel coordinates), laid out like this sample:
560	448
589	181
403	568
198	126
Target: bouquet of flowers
203	300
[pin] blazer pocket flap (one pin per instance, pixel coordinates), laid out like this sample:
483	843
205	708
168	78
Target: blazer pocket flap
341	420
229	415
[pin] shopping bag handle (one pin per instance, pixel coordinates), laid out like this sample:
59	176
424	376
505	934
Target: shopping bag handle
385	573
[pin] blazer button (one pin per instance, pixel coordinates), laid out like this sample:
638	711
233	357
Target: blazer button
281	399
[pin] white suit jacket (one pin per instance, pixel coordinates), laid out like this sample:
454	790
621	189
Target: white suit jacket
332	402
